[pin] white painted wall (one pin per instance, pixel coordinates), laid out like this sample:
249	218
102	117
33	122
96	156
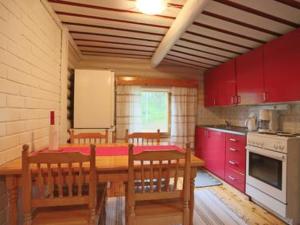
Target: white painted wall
30	75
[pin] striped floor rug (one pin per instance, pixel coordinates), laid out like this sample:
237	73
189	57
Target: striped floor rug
209	210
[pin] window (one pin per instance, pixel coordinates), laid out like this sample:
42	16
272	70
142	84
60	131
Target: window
155	111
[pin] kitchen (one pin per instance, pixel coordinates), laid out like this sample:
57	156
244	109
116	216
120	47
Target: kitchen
226	72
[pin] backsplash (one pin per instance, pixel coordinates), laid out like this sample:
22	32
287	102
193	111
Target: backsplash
289	120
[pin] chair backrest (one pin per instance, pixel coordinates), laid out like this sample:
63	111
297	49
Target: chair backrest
88	138
154	175
143	138
58	179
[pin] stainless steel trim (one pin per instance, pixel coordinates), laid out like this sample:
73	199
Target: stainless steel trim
227	131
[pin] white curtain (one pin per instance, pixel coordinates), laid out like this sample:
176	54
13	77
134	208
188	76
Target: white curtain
128	110
183	115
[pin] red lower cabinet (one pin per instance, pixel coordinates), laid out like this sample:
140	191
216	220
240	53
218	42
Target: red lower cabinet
235	162
224	155
235	178
200	142
210	146
215	152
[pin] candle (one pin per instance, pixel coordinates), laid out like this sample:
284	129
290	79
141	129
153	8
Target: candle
52	118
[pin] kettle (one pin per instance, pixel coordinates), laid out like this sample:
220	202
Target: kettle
251	122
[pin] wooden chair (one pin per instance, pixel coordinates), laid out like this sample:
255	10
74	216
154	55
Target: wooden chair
143	138
60	189
153	194
88	138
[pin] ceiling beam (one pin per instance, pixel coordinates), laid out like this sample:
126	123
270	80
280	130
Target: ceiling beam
187	15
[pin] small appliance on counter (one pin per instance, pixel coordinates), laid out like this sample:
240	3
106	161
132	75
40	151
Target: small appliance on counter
251	122
268	121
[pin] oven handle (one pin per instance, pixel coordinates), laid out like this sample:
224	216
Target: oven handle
274	155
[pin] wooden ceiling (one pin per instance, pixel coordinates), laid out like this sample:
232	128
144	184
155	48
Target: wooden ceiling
225	29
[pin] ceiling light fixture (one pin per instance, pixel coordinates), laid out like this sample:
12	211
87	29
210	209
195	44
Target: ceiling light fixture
151	7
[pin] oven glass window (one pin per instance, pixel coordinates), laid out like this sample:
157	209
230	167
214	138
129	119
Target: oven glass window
266	169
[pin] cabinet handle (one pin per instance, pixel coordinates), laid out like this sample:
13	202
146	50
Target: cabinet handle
232	162
214	101
231	178
232	149
206	133
232	139
232	100
238	99
265	96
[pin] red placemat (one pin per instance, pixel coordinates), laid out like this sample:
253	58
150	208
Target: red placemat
120	150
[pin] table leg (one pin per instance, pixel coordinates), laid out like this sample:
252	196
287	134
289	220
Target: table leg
192	186
12	192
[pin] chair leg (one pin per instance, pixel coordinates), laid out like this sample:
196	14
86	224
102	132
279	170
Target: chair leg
186	217
126	204
27	219
92	219
186	214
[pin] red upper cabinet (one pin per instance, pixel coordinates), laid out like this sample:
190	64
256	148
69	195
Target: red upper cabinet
220	85
282	68
210	88
249	77
226	84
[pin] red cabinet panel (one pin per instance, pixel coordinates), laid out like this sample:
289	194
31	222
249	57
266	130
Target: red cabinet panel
220	85
200	142
210	89
235	178
224	155
235	141
235	160
236	152
226	77
249	77
214	152
281	68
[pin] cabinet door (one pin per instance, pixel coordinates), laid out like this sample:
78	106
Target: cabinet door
235	178
249	76
226	84
200	141
215	152
281	68
236	152
210	89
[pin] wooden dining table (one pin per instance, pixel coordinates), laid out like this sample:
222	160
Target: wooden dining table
111	167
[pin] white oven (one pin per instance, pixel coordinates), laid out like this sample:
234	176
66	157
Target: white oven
266	171
272	174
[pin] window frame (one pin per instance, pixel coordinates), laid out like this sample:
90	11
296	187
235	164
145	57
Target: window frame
167	90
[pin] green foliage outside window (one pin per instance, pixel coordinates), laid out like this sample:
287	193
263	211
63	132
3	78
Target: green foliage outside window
155	111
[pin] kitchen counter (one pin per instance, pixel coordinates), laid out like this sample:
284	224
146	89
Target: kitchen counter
227	129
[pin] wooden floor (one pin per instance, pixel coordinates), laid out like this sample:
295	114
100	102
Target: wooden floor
218	205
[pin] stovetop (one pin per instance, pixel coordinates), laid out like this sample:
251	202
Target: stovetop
275	141
281	134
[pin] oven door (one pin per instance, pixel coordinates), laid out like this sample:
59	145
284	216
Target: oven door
266	171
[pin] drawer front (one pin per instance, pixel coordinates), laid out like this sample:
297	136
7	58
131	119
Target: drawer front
235	178
235	141
236	158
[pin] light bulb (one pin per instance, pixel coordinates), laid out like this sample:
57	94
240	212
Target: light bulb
151	7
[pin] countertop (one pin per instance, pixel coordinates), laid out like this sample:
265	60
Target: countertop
227	129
